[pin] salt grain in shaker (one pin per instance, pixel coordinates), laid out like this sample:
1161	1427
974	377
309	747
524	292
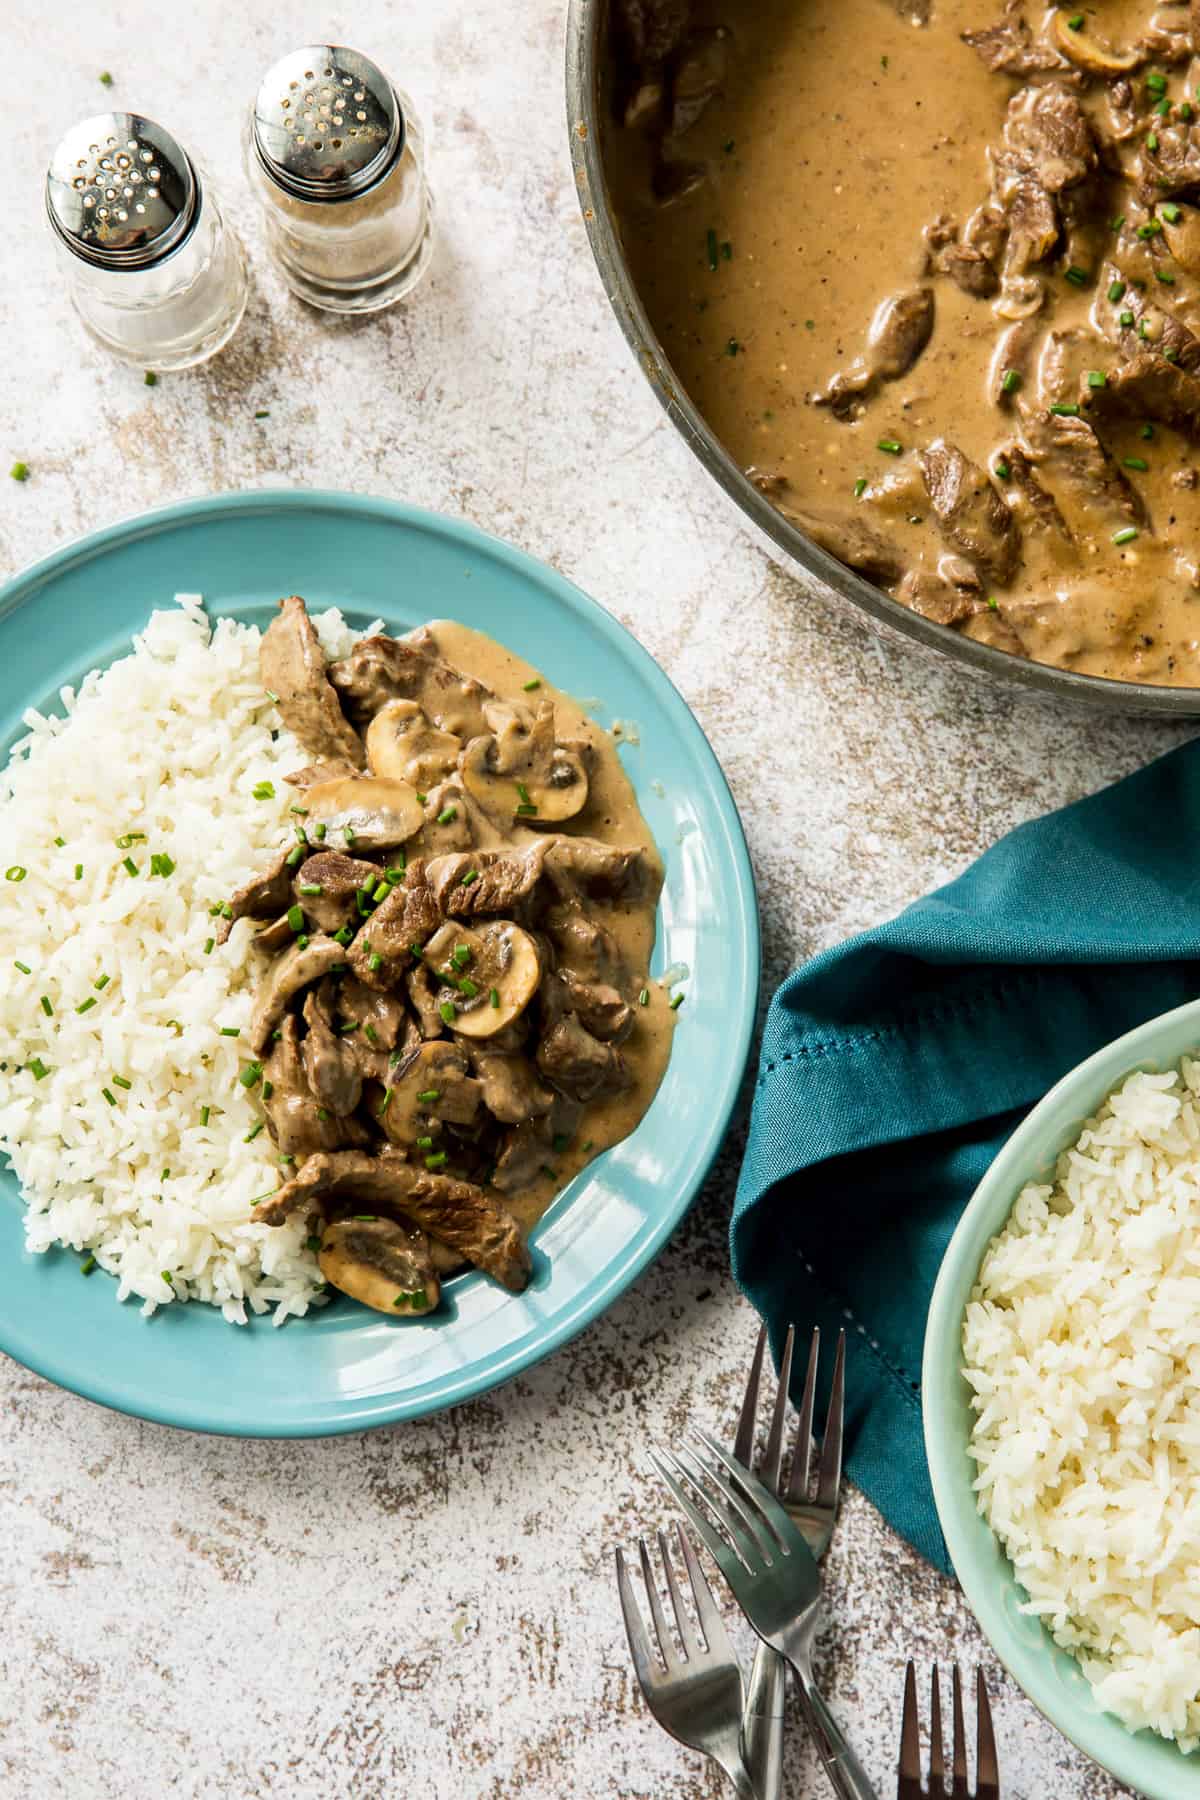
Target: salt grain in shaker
155	273
334	154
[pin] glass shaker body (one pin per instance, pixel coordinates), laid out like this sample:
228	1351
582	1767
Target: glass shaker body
173	313
335	157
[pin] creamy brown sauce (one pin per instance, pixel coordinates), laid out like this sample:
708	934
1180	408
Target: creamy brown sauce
613	816
837	136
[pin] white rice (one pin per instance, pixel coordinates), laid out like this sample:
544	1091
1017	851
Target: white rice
1082	1343
169	741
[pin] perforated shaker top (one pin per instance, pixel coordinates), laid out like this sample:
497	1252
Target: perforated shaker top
327	123
121	191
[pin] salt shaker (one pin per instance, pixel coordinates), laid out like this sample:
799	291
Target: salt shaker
155	273
334	155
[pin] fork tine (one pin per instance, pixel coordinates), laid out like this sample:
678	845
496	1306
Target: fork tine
769	1472
960	1738
711	1623
797	1487
910	1730
708	1534
644	1664
758	1496
662	1630
727	1508
937	1766
987	1769
829	1469
686	1634
743	1446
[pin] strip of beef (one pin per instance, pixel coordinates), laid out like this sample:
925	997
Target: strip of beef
312	774
381	1017
1170	169
341	879
1123	121
1151	388
947	595
970	270
1010	48
295	970
1032	235
1012	359
576	1063
526	1154
1041	510
584	868
1167	39
852	541
263	896
330	1064
973	518
1152	328
298	1123
1092	493
1048	135
585	946
653	29
900	330
293	666
698	75
457	1212
600	1008
381	954
486	881
379	669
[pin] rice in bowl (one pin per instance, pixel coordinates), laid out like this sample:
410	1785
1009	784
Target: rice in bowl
1081	1342
128	820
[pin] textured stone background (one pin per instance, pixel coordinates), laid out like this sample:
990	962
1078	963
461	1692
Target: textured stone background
430	1609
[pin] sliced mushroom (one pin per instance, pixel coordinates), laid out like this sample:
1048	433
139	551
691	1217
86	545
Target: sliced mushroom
365	813
430	1089
1088	53
295	969
404	746
491	969
382	1263
520	772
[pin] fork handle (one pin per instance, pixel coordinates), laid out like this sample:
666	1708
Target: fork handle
762	1722
849	1778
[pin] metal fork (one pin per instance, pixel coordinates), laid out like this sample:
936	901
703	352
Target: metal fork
773	1576
987	1772
762	1732
697	1696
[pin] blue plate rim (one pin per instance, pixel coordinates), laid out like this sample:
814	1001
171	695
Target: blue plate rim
379	1411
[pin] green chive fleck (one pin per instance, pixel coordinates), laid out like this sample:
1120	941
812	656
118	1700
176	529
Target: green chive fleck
46	1006
86	1005
1097	378
1135	462
890	446
1003	470
120	1081
447	1011
1116	291
529	686
1126	535
295	918
710	245
1065	409
494	996
860	487
20	471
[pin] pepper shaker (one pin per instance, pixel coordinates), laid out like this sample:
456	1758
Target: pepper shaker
155	273
334	154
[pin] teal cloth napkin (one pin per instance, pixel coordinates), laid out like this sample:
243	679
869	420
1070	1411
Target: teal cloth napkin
894	1067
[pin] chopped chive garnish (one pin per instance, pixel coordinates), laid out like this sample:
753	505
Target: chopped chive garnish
1116	291
1150	229
61	842
1116	224
129	865
1170	212
263	790
86	1005
677	1002
1165	276
1162	109
268	1090
425	1143
644	997
1156	83
525	811
436	1161
230	1031
108	1095
208	946
86	1268
494	996
1010	381
1002	470
1065	409
467	986
422	798
860	487
890	446
272	696
993	603
20	471
264	412
529	686
251	1075
128	839
120	1081
343	935
295	857
1077	277
1185	111
322	1112
392	876
372	1036
24	968
46	1006
162	864
1075	22
312	1243
295	917
38	1069
447	1011
15	873
1152	141
253	1131
1126	319
429	1096
470	876
559	1142
79	871
311	887
1135	462
1126	535
1097	378
205	1113
349	833
319	830
1147	431
374	962
447	815
347	1026
386	1101
1171	354
415	950
460	956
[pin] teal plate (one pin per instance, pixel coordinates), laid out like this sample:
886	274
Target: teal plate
346	1369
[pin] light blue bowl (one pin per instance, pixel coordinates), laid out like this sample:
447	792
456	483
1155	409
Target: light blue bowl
1049	1676
345	1368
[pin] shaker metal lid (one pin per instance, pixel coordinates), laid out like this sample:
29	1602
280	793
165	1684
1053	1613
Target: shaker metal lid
120	191
327	123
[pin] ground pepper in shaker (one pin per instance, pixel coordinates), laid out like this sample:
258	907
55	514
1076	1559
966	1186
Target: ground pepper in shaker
334	155
155	273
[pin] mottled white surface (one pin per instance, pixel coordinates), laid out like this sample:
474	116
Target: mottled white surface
429	1610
